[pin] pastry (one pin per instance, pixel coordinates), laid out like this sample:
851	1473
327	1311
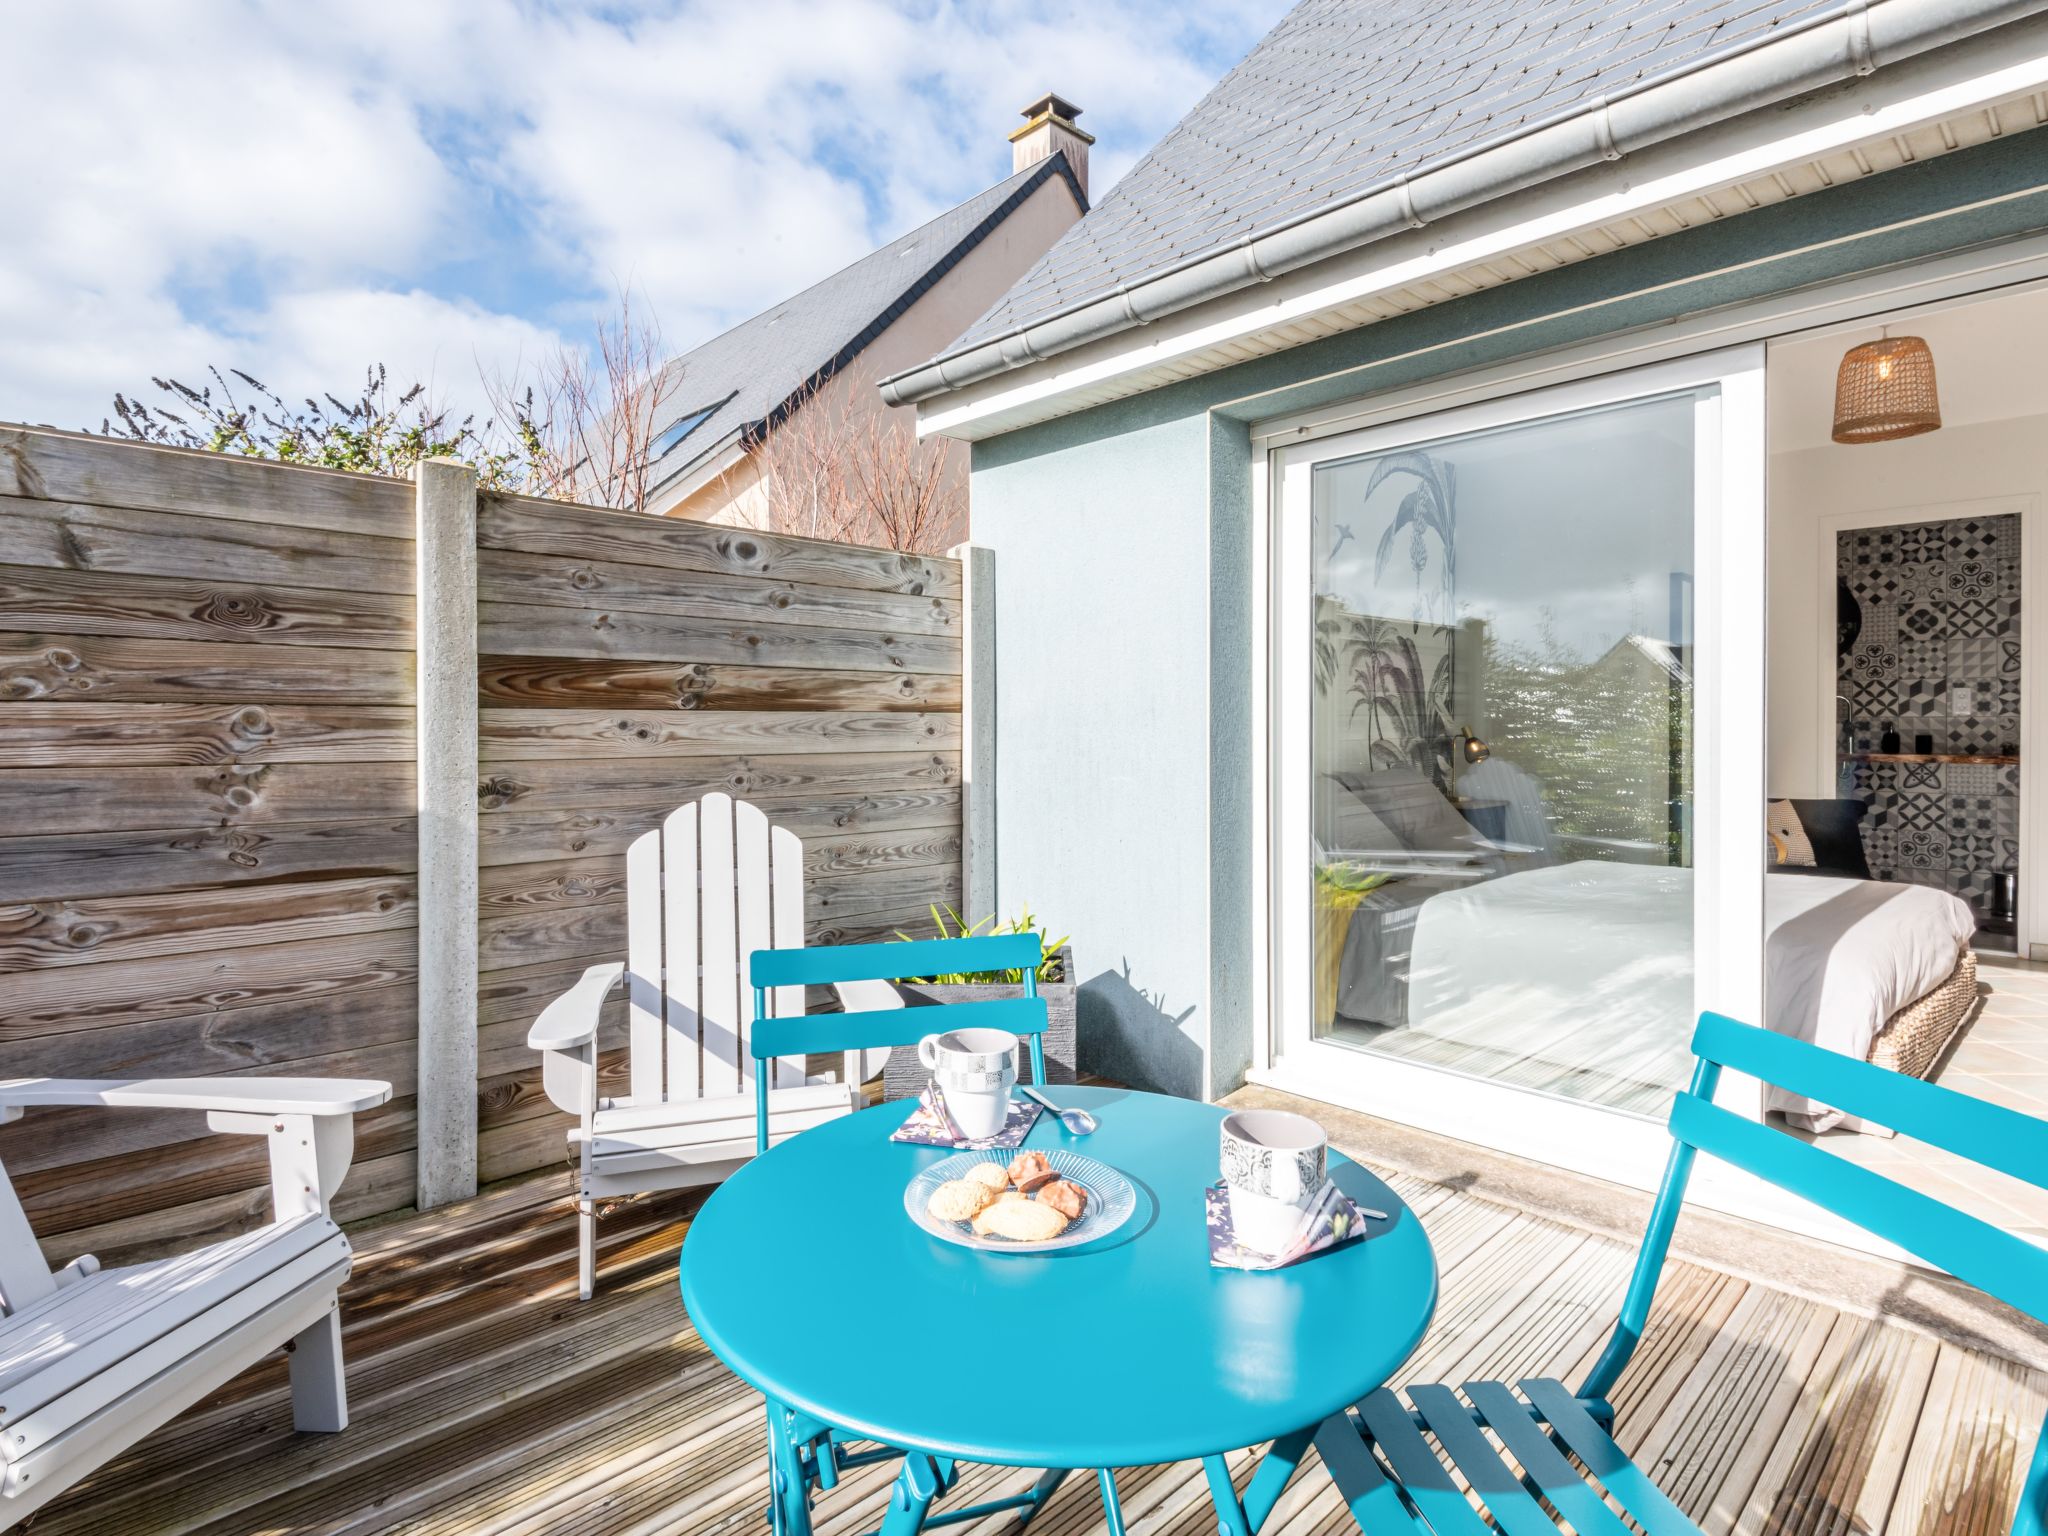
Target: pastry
1028	1165
1021	1219
1067	1198
959	1199
993	1175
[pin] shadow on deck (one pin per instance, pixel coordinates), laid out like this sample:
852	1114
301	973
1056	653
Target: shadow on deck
487	1400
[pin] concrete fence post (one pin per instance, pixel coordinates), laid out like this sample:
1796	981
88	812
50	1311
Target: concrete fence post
978	731
446	643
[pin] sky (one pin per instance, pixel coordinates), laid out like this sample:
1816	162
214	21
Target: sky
299	190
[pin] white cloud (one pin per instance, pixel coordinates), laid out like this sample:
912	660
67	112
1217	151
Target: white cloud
301	190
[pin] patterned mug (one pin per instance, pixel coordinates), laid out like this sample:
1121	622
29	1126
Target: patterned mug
975	1070
1274	1163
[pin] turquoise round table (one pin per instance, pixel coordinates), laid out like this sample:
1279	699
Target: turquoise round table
806	1276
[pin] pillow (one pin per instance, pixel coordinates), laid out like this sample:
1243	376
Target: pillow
1412	808
1781	825
1833	839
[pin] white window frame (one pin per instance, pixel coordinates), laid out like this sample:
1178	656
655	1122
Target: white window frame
1729	766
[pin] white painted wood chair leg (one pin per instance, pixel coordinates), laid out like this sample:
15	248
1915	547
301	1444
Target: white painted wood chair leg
319	1391
586	1248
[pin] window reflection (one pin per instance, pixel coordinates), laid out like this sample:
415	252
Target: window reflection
1502	710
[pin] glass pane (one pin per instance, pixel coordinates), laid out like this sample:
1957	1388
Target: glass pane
1502	753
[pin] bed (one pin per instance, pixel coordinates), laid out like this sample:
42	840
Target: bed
1593	960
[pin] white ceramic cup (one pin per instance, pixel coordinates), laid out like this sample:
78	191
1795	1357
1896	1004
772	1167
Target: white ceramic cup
1273	1162
975	1070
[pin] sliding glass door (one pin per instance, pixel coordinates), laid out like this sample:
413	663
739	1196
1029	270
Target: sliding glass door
1504	785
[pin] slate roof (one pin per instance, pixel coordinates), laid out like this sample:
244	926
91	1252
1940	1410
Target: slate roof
751	373
1344	95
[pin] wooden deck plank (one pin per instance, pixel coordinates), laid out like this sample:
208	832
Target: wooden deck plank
488	1401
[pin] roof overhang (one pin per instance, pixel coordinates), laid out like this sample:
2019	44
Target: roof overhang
716	459
1715	142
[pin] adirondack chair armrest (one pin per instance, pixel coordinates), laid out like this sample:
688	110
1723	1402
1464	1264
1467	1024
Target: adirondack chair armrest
566	1035
224	1095
571	1019
309	1122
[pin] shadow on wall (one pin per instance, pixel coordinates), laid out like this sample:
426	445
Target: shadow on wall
1128	1035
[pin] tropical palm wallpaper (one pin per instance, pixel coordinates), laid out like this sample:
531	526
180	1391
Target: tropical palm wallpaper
1404	661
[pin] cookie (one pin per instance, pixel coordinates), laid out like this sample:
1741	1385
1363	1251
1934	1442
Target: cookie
991	1174
959	1199
1067	1198
1021	1219
1028	1165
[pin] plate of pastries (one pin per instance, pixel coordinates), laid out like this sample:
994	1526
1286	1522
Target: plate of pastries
1019	1202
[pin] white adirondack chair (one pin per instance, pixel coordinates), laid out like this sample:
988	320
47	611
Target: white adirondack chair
93	1359
715	883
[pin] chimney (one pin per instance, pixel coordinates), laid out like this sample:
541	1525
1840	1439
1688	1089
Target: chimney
1049	127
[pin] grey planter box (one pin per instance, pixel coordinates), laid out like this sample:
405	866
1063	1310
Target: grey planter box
904	1077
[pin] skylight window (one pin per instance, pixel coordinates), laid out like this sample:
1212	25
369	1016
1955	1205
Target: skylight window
679	429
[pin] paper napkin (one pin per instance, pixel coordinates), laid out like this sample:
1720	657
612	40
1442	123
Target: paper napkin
927	1127
1330	1219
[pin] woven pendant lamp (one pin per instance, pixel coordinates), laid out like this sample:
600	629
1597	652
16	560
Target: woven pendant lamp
1885	389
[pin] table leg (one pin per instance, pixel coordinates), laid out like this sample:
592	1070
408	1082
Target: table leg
1043	1489
1230	1515
1276	1469
789	1503
922	1479
1112	1506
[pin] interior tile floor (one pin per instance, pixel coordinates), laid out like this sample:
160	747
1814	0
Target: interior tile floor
2000	1054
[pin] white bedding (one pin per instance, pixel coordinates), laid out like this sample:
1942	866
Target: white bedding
1598	958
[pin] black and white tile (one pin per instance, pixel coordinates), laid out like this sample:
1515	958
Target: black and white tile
1938	655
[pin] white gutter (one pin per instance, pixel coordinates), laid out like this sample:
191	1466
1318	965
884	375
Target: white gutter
1806	56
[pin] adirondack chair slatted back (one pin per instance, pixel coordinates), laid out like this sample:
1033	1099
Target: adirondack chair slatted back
24	1277
715	883
1995	1261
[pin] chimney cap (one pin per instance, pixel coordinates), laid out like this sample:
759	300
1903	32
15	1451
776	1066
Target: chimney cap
1052	107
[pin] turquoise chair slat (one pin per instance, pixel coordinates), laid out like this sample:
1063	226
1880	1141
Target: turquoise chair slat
890	962
2009	1267
822	1032
1375	1503
1542	1461
1985	1133
1514	1507
807	1034
1434	1492
1631	1486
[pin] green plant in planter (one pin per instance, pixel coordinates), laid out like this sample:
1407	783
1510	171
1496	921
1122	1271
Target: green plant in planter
1344	885
951	925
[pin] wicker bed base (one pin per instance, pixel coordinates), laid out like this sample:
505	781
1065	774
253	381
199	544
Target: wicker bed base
1912	1039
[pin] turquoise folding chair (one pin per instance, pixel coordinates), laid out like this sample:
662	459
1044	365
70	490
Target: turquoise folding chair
1396	1481
806	1455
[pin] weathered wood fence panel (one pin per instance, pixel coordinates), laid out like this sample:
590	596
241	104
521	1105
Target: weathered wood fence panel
633	664
207	849
209	789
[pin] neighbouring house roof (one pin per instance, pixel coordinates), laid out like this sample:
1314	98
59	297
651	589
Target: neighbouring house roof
741	382
1335	131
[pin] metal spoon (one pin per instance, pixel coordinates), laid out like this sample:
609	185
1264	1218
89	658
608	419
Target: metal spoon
1077	1121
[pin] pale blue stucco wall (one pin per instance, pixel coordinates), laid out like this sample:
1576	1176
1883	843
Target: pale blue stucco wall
1099	651
1123	542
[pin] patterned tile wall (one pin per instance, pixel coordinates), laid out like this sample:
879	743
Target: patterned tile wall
1937	651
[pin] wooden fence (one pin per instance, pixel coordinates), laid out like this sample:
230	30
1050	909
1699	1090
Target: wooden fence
209	854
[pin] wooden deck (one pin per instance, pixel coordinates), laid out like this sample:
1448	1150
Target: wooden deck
488	1401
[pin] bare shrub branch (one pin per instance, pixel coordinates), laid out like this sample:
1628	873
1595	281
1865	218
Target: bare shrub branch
856	476
585	423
